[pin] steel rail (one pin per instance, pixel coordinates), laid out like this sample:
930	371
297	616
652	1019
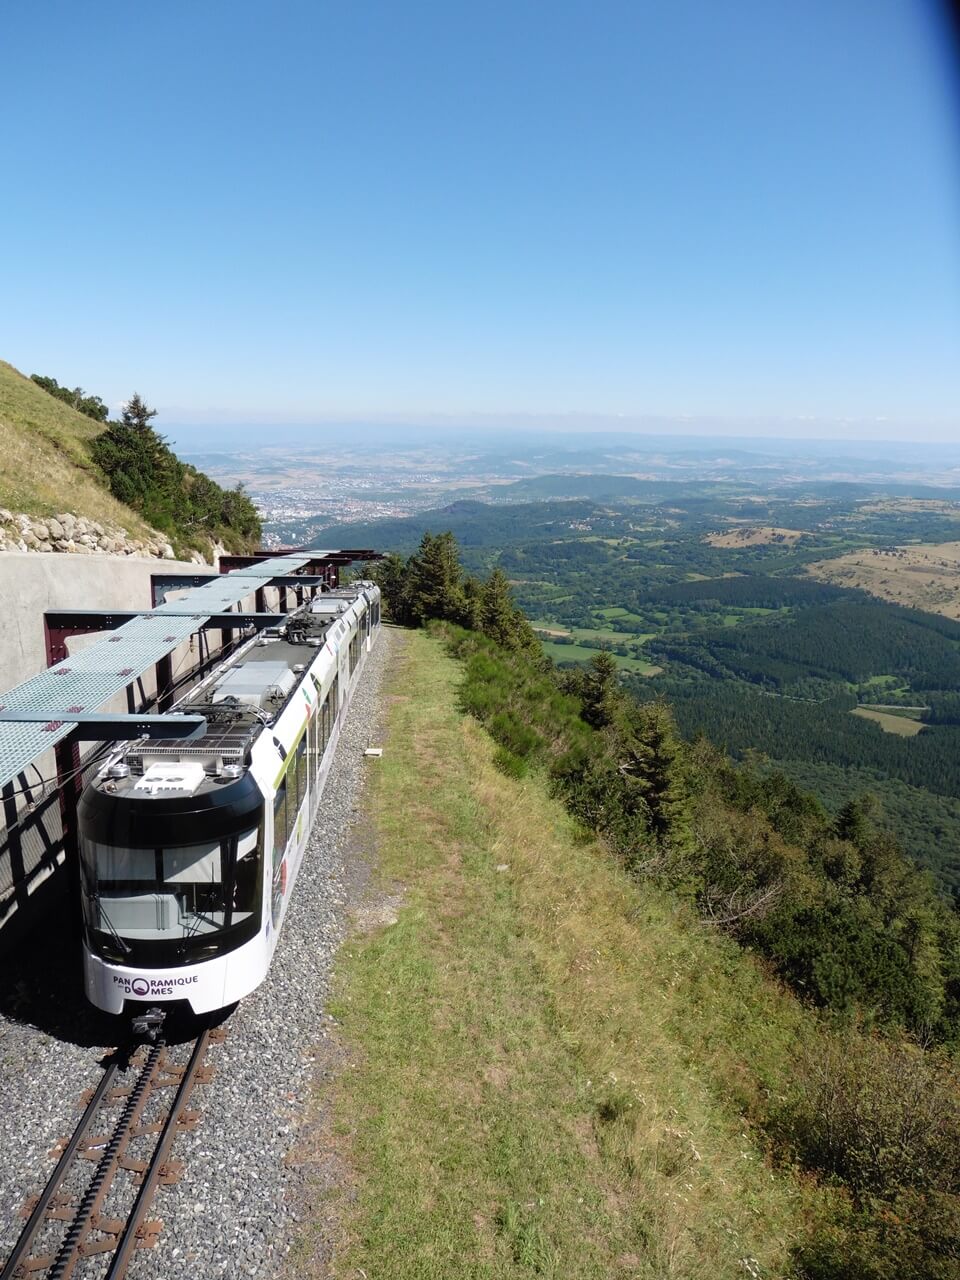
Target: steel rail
69	1252
46	1197
128	1240
87	1232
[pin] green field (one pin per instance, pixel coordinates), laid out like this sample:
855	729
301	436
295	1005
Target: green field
576	653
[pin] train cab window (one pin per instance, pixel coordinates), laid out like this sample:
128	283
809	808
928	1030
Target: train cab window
172	905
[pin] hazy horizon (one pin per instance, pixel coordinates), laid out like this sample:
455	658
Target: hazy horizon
521	435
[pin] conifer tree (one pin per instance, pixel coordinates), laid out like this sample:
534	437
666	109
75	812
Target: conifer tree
435	580
472	598
497	611
651	755
600	690
391	577
136	413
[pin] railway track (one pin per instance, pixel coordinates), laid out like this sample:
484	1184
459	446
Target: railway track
91	1216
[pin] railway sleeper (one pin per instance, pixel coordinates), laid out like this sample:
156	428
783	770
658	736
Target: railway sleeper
186	1120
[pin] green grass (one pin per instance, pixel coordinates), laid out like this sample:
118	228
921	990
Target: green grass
549	1065
46	467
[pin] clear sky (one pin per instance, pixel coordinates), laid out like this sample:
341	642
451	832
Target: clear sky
735	212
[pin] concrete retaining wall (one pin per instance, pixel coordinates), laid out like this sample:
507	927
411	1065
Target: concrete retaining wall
31	583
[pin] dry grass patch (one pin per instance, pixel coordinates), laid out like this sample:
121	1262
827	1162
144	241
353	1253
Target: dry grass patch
753	536
46	467
906	727
926	576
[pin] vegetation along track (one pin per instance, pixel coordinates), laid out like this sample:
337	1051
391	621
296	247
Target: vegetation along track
97	1198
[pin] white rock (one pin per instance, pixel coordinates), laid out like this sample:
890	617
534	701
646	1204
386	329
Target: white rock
55	528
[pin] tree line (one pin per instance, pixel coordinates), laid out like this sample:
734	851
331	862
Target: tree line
431	585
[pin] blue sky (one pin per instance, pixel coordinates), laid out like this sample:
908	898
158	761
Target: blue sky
744	214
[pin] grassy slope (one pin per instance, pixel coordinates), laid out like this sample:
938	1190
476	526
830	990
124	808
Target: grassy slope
550	1064
46	467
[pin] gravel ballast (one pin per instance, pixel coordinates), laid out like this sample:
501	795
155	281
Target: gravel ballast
234	1212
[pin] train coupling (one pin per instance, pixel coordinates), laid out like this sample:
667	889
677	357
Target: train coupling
148	1025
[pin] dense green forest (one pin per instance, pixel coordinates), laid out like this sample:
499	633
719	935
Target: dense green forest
847	642
143	472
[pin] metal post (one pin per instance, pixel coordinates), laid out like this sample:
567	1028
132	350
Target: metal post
164	669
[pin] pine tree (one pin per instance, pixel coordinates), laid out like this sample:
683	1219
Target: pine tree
600	690
472	597
497	611
137	414
651	756
435	580
390	575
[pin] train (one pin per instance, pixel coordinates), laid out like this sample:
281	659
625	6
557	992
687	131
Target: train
190	849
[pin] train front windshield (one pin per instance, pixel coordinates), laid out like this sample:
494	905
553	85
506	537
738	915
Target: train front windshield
168	906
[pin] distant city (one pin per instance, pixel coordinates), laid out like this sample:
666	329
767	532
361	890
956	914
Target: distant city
300	488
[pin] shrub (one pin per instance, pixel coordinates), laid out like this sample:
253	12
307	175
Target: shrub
880	1115
509	764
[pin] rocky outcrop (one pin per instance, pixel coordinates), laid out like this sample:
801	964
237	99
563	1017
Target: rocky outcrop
67	534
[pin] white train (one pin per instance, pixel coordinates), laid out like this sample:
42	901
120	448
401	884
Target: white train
190	850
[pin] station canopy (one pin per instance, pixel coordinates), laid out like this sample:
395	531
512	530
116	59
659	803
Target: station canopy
83	683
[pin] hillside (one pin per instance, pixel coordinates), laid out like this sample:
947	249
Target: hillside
119	473
550	1068
744	642
46	464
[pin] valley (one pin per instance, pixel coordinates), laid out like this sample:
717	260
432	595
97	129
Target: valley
746	610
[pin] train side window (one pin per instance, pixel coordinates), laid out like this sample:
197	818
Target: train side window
293	786
312	726
247	888
302	768
280	820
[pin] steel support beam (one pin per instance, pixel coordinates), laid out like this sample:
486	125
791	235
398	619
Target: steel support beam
60	624
346	556
99	726
161	583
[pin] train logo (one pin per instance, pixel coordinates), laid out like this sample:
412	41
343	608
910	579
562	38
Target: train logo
140	986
